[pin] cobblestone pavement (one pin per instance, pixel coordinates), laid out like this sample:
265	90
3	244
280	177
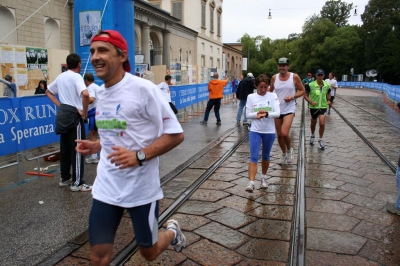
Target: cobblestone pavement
347	189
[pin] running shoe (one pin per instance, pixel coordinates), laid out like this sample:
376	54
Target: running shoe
179	241
250	187
290	155
218	123
238	123
264	183
245	123
92	160
203	122
65	183
321	144
283	159
391	207
83	188
329	112
312	139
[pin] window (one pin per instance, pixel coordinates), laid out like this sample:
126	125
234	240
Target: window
203	46
212	20
217	51
177	10
52	34
203	61
203	15
211	49
219	24
211	62
7	22
218	63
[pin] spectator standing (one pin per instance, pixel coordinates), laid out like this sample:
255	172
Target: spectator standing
135	126
164	86
246	87
216	90
318	97
395	207
71	114
10	88
235	83
41	88
288	87
262	107
93	89
332	81
308	79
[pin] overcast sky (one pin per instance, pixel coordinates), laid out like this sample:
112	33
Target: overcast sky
251	17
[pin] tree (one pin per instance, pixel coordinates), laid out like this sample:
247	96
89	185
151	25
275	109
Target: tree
337	11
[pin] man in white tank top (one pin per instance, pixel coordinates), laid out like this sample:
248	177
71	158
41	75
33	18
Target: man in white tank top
288	87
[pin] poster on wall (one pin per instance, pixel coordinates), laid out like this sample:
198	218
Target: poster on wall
140	69
36	58
89	25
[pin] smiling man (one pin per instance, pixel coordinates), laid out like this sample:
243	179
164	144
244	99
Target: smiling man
135	126
288	87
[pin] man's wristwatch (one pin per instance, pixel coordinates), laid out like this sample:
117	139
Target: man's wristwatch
140	156
293	98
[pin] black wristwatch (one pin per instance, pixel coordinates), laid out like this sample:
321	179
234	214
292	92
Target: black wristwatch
140	156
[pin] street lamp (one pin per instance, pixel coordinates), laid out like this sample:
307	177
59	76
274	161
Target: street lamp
355	11
269	14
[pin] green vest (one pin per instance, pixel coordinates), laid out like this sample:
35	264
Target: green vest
319	96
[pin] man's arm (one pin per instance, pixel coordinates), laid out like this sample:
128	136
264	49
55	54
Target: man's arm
52	98
125	158
271	87
299	86
85	102
5	82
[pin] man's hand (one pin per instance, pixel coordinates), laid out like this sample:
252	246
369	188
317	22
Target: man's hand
313	103
122	157
87	147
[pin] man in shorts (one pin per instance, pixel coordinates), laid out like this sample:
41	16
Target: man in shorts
93	90
318	97
332	81
135	126
288	87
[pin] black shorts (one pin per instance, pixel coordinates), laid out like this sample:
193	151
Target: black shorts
104	220
317	112
332	98
283	115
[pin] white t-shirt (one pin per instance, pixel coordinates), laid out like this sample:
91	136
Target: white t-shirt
268	102
69	86
93	89
165	88
284	89
131	114
333	83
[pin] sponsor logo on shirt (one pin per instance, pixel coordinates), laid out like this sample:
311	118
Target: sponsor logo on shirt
119	108
166	118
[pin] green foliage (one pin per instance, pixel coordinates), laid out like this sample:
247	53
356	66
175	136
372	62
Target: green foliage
328	42
337	11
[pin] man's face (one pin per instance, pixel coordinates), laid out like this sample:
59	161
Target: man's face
330	76
169	82
320	77
105	59
309	76
283	69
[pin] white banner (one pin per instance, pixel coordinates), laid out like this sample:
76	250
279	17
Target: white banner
244	63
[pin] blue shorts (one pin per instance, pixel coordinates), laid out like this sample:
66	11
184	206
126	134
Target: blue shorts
92	121
104	220
255	140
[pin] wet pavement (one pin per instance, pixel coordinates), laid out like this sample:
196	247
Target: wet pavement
346	186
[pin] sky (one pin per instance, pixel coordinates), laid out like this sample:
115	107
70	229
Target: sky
251	16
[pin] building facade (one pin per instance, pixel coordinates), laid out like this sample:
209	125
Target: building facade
233	56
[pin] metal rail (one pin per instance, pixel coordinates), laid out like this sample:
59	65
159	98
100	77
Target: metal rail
127	253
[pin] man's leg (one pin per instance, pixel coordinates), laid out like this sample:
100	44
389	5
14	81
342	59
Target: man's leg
217	106
76	158
104	220
287	124
65	159
240	110
321	119
208	109
398	187
244	115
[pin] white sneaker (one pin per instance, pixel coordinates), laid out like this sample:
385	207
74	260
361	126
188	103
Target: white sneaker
250	187
283	159
290	155
264	183
92	160
83	187
179	241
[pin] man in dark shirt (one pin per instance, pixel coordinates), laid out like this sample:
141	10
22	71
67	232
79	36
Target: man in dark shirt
246	87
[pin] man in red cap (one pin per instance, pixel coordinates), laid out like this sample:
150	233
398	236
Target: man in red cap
135	126
307	80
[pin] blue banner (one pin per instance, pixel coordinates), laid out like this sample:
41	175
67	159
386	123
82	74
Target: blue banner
29	122
392	91
26	123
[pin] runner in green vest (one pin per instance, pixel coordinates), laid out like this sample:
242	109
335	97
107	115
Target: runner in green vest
318	97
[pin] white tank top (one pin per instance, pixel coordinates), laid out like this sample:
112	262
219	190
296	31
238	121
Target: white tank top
284	89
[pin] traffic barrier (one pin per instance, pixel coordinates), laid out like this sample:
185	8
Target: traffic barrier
392	91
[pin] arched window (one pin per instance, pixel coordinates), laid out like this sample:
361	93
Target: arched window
7	24
52	34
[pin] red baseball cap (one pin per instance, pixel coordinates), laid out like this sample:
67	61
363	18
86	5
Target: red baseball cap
309	74
116	39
